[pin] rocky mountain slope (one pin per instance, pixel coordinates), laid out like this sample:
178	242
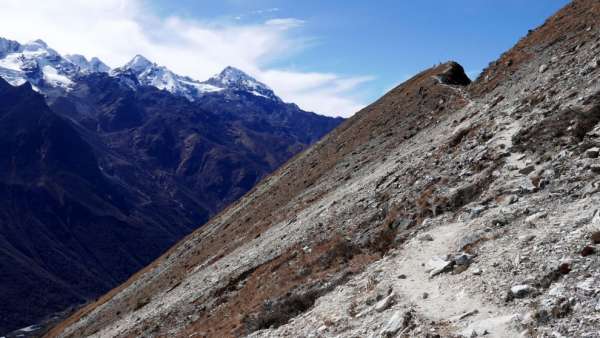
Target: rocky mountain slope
442	209
102	173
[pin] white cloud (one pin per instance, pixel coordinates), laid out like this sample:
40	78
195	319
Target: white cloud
116	30
284	23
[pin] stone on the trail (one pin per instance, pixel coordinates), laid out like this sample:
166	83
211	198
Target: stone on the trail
463	259
587	250
425	238
477	210
393	325
401	224
509	200
592	152
521	290
596	237
470	239
385	303
439	265
526	238
527	170
543	68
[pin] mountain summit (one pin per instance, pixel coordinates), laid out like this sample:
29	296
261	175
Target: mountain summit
94	65
234	79
139	64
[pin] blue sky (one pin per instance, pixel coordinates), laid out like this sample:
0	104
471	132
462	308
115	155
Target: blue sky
331	57
390	40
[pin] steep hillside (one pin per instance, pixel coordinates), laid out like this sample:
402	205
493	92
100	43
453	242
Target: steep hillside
443	209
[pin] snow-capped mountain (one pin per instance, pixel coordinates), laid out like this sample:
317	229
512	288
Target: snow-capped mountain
234	79
150	74
40	65
94	65
47	70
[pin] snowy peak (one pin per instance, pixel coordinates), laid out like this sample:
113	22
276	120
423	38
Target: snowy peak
36	63
138	64
233	76
8	46
234	79
229	80
94	65
42	66
46	69
151	74
39	42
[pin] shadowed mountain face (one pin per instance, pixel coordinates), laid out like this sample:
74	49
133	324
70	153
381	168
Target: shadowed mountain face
101	179
67	231
205	154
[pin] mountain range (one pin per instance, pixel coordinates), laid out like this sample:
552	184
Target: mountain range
446	208
104	169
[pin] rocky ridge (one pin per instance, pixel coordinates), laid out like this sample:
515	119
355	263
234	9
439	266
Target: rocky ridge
441	210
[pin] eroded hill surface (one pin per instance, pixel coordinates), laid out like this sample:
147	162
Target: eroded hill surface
443	209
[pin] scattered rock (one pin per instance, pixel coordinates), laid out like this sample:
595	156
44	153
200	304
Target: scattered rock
543	68
385	303
425	295
596	237
477	210
396	322
587	250
401	224
592	152
551	308
595	168
526	238
471	239
564	268
465	315
462	258
588	285
477	272
520	291
459	269
509	200
439	265
402	276
537	216
425	238
527	170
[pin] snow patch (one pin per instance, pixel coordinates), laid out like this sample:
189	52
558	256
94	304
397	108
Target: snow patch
52	76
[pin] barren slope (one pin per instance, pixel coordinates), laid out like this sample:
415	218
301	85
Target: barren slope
439	209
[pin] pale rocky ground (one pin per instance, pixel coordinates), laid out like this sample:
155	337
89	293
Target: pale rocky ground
523	239
506	263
